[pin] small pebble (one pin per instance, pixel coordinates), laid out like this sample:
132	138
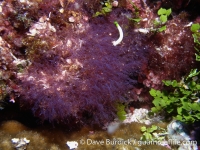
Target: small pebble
71	19
22	1
85	18
115	3
1	9
61	10
72	144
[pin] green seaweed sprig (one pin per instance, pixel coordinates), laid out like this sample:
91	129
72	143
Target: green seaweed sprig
163	18
121	111
183	102
107	8
195	28
136	18
153	133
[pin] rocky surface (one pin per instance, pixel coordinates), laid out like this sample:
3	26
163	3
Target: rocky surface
58	61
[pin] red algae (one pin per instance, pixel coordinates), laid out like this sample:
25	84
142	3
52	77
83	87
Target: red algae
69	72
84	76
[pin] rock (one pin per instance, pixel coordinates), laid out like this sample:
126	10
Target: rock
61	10
115	3
177	135
71	19
72	144
20	144
176	129
112	127
138	115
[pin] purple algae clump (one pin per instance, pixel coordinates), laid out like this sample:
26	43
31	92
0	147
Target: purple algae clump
77	74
